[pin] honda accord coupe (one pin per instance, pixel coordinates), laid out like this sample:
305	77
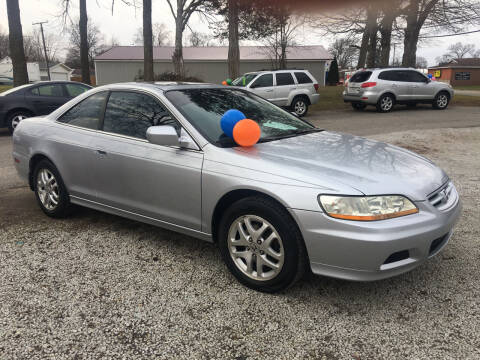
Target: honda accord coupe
301	198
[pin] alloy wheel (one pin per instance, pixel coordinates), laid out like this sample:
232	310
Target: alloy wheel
442	101
386	103
300	107
256	248
47	189
16	120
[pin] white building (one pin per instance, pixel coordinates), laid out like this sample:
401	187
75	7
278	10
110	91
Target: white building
58	71
33	69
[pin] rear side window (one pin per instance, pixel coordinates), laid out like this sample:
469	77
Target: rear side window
388	75
75	90
284	79
131	114
303	78
265	80
87	113
360	76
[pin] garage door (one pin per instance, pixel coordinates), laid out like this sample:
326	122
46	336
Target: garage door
59	76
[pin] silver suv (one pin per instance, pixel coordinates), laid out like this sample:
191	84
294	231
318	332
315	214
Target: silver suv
294	89
384	88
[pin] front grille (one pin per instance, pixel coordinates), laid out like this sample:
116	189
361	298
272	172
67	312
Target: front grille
440	197
397	256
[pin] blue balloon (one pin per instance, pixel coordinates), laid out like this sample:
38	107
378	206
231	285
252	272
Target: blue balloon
430	76
229	119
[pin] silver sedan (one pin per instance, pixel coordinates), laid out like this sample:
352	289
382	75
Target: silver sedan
301	198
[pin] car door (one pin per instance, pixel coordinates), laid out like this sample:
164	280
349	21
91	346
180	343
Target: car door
72	141
133	175
284	85
263	86
421	88
401	85
46	98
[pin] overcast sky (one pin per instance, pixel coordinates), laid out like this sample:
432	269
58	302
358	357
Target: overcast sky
125	21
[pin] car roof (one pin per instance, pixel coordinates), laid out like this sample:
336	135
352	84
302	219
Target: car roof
162	85
391	68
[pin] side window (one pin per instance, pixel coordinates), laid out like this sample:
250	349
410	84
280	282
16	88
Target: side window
75	90
284	79
387	75
400	75
415	76
87	113
265	80
48	90
302	78
131	114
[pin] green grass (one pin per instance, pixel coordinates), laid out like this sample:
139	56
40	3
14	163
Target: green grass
469	87
4	88
331	99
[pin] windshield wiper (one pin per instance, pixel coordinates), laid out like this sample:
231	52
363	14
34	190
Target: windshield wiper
291	134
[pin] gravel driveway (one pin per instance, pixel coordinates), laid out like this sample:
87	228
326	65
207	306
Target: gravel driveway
99	286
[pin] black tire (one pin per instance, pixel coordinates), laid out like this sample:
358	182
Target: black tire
383	101
295	258
358	106
63	207
11	119
441	101
300	106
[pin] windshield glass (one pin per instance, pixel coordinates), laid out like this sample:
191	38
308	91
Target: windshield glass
12	90
244	80
360	76
204	107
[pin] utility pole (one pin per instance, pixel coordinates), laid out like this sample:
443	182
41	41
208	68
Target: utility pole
44	47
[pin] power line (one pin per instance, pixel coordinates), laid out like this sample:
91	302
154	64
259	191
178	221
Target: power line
446	35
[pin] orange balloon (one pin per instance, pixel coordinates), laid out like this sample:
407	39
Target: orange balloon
224	82
246	132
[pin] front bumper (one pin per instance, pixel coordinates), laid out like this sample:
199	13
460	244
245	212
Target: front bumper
362	251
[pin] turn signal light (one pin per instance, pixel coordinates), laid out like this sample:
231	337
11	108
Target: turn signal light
369	84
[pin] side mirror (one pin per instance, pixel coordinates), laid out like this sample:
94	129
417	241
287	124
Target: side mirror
163	135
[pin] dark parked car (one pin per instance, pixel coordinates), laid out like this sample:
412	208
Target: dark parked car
36	99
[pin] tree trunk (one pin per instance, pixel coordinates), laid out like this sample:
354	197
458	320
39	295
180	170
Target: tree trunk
362	56
17	53
233	46
178	52
386	39
147	41
84	42
372	27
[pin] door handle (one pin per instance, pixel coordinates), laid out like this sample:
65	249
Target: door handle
271	90
101	152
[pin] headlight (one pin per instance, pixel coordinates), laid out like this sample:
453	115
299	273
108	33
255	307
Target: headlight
367	208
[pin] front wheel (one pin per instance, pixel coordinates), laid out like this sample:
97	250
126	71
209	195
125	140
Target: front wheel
261	245
15	118
441	101
50	191
300	106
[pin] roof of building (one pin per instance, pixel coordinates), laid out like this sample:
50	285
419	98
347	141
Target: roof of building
467	62
43	65
214	53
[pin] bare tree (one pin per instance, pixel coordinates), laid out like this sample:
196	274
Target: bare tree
160	35
147	41
233	40
197	38
17	54
345	51
4	49
460	50
182	14
372	29
421	63
95	45
83	26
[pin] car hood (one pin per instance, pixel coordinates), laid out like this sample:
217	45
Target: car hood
328	158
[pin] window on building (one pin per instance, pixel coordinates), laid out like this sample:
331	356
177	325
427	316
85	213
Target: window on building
462	75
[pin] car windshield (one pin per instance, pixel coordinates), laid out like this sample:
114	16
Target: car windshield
244	80
15	89
204	108
360	76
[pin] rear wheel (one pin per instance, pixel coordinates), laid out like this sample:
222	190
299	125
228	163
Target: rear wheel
358	106
441	101
14	119
50	191
261	244
385	103
300	106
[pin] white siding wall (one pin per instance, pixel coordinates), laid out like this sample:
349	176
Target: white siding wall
214	72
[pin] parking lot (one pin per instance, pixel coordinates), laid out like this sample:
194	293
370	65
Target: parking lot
100	286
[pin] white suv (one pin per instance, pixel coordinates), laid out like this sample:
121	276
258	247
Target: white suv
295	89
